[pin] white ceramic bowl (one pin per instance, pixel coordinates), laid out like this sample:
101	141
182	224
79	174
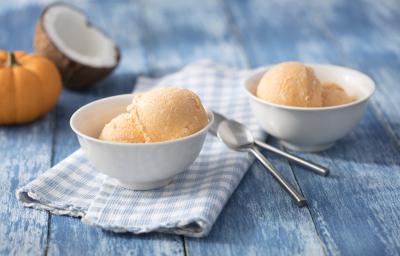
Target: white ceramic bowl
313	129
138	166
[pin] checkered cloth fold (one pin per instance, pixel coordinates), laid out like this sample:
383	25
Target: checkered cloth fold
190	204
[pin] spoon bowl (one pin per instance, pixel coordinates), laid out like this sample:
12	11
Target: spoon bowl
237	137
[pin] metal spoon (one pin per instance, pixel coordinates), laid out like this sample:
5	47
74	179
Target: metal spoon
237	137
318	169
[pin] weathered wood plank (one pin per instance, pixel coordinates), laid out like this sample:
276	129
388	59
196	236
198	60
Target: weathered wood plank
185	31
272	32
25	151
68	236
356	209
251	222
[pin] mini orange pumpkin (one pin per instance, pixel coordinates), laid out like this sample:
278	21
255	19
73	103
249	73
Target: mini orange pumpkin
29	87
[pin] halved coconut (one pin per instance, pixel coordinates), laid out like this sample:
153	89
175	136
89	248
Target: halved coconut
82	52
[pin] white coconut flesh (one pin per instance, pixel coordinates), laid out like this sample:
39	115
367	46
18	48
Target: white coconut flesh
68	29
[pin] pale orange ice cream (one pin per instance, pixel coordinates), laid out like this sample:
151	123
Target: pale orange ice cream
123	128
158	115
333	95
169	113
292	84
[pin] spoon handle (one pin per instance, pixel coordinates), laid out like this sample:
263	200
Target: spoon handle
318	169
297	197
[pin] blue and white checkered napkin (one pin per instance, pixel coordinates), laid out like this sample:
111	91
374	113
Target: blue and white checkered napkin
190	204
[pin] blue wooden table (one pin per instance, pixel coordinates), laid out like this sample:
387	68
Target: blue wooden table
355	211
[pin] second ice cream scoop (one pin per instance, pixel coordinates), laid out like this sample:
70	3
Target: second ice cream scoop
334	95
123	128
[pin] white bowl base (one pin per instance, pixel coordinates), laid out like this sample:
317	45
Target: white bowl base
306	148
144	186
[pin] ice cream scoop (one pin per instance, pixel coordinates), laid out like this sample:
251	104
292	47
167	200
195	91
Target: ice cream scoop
168	113
123	128
158	115
292	84
334	95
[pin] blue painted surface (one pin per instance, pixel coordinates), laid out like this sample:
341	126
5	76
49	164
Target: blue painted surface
356	211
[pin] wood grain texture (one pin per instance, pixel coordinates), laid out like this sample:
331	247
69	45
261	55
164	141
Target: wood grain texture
185	31
25	151
356	209
23	232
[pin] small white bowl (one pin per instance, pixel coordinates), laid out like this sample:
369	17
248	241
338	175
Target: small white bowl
139	166
313	129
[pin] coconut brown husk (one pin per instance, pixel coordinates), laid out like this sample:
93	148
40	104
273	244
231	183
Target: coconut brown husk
75	75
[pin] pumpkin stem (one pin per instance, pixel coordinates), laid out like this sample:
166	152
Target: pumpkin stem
11	60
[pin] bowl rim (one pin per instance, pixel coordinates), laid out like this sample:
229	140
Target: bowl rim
263	69
82	108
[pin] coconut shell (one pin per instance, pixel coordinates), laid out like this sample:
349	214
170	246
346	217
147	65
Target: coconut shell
75	75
